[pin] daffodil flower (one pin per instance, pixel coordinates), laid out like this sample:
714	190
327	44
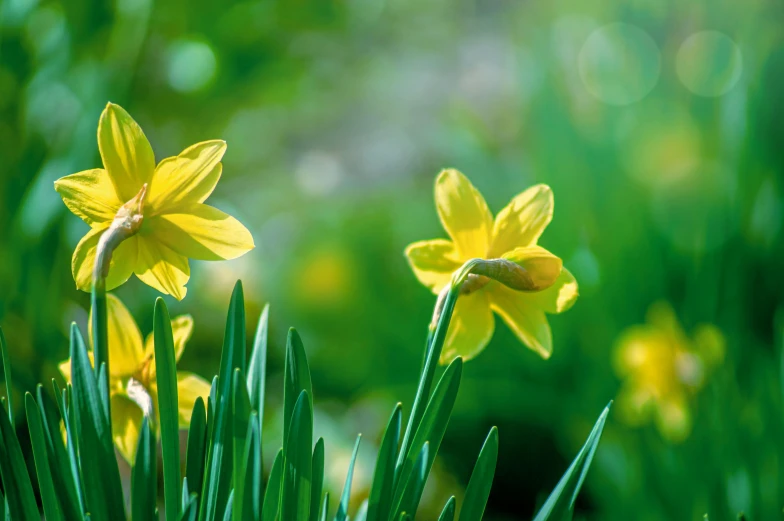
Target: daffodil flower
512	236
161	206
132	384
662	368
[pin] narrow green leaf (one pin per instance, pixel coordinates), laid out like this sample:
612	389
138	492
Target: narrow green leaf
144	477
186	494
297	379
318	479
382	489
190	511
324	508
271	505
240	418
297	473
413	493
7	376
257	368
431	430
342	513
98	465
362	511
478	490
62	477
49	500
218	473
252	481
13	473
196	448
72	447
448	514
168	412
227	514
560	503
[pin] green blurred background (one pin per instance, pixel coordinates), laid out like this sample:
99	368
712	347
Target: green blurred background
658	124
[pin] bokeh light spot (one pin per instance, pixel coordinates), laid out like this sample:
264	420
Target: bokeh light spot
619	64
709	63
191	65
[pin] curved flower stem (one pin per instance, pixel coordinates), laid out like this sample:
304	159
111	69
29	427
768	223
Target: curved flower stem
439	325
125	224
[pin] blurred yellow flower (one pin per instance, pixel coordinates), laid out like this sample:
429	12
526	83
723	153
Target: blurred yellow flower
662	368
162	204
512	236
132	382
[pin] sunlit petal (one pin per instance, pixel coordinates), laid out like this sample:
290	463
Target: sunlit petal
527	321
199	231
162	268
90	195
120	267
673	418
182	329
559	297
189	177
523	220
433	262
471	328
543	267
189	387
126	153
126	425
125	339
464	214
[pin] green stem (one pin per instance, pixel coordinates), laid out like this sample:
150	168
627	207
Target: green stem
442	316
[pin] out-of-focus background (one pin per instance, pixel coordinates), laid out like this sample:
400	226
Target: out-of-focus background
658	124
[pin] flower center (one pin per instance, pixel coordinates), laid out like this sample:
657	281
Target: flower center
131	215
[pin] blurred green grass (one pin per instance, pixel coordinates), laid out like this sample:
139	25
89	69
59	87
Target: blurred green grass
338	115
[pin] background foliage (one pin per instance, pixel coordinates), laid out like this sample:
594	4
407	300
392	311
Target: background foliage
338	115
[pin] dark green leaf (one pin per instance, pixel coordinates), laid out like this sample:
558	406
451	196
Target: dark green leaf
51	504
318	479
478	489
251	482
297	469
382	489
448	514
413	492
7	376
297	379
269	511
240	418
144	477
168	411
196	448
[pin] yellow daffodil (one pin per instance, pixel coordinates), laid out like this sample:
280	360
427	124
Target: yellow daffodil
662	369
132	382
164	203
512	236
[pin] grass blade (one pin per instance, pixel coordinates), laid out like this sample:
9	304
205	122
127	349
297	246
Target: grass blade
98	465
195	448
7	376
144	477
560	503
478	490
250	507
13	471
257	368
324	508
448	514
49	500
413	492
240	418
318	479
382	489
297	473
297	379
342	513
362	511
166	378
269	511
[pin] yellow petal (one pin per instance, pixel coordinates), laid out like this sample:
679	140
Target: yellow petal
464	214
543	267
126	153
523	220
634	404
90	195
182	329
125	339
126	425
557	298
120	267
65	367
189	387
199	231
471	327
527	321
433	262
189	177
636	350
161	268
